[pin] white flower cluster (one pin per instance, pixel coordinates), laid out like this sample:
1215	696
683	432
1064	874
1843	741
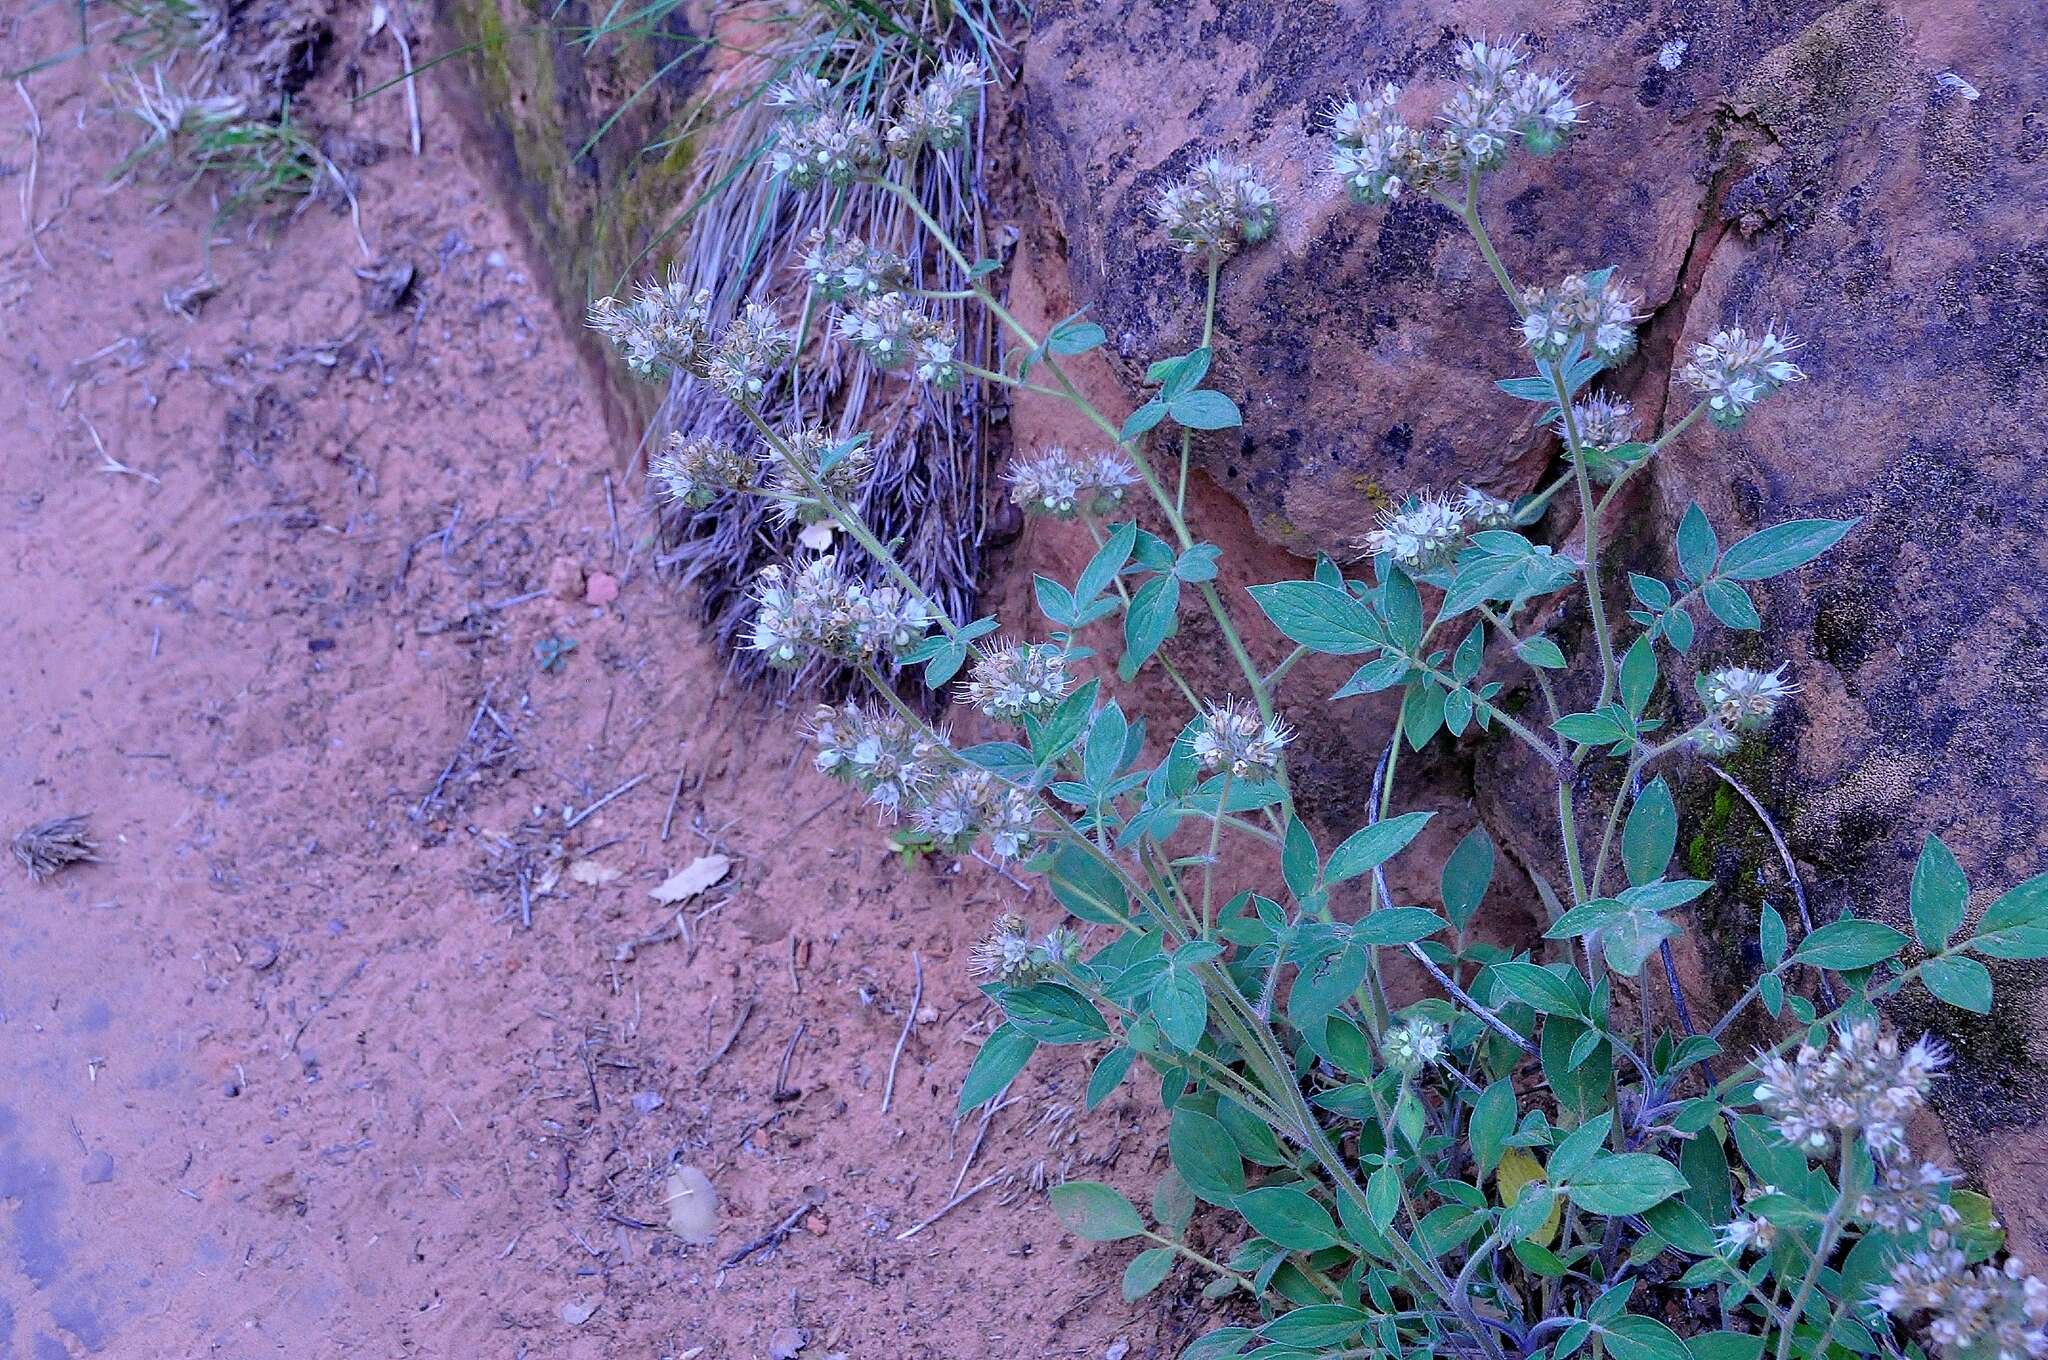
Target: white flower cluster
1218	207
1415	1044
1429	531
1602	422
664	327
696	471
1232	737
820	142
939	113
1010	680
841	468
753	347
896	333
878	751
969	804
1593	309
846	268
1067	485
1861	1085
1738	700
816	610
1906	1199
1982	1312
1734	370
1378	154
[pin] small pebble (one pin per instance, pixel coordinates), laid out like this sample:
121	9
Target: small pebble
601	588
261	954
98	1168
647	1102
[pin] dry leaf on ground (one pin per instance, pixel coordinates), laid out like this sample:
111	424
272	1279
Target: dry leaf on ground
693	878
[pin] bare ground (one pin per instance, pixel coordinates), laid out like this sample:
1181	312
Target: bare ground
289	1072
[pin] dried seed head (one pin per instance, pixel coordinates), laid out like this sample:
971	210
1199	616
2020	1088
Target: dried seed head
1218	207
1414	1045
47	847
1860	1085
1982	1312
750	352
1714	737
846	268
697	471
1734	370
1007	954
1743	1234
1010	680
1744	699
1594	309
878	751
1602	422
841	466
665	326
1232	737
1063	485
941	111
1420	536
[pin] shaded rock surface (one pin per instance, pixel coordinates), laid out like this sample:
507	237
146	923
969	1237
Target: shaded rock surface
1870	173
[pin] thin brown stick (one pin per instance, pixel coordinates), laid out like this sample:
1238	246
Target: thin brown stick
909	1019
730	1040
951	1205
28	184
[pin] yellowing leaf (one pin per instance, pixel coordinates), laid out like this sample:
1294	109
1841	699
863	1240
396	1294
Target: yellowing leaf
693	878
591	872
1518	1171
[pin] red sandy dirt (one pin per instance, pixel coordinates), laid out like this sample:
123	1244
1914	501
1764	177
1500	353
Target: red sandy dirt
287	1073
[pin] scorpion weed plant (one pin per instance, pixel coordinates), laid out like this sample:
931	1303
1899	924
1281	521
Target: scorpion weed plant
1541	1160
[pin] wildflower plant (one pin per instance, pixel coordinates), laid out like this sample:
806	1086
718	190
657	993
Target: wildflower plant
1534	1159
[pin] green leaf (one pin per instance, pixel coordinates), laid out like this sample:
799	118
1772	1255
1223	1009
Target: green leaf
1094	1211
1151	619
1771	936
1639	675
1493	1120
1181	1008
2016	925
1109	1073
1369	847
1651	833
1299	861
1283	1214
1589	729
1697	546
1320	617
1624	1183
1539	987
1075	337
1639	1338
1109	559
1205	1156
1146	1272
1541	652
1849	943
1731	604
1959	980
1086	887
1002	1056
1374	676
1940	892
1319	1324
1397	925
1467	875
983	268
1141	420
1198	564
1726	1346
1181	373
1781	548
1325	981
1205	409
1053	1014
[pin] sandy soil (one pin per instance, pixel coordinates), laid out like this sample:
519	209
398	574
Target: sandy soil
290	1072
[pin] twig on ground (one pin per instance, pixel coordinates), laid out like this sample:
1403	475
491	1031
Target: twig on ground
668	818
574	818
773	1237
950	1206
730	1039
909	1019
782	1091
109	463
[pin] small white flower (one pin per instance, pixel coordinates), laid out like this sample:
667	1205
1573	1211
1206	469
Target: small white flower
1735	369
1232	736
1744	699
1421	536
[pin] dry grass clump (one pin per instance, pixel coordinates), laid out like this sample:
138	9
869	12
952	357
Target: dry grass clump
59	843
